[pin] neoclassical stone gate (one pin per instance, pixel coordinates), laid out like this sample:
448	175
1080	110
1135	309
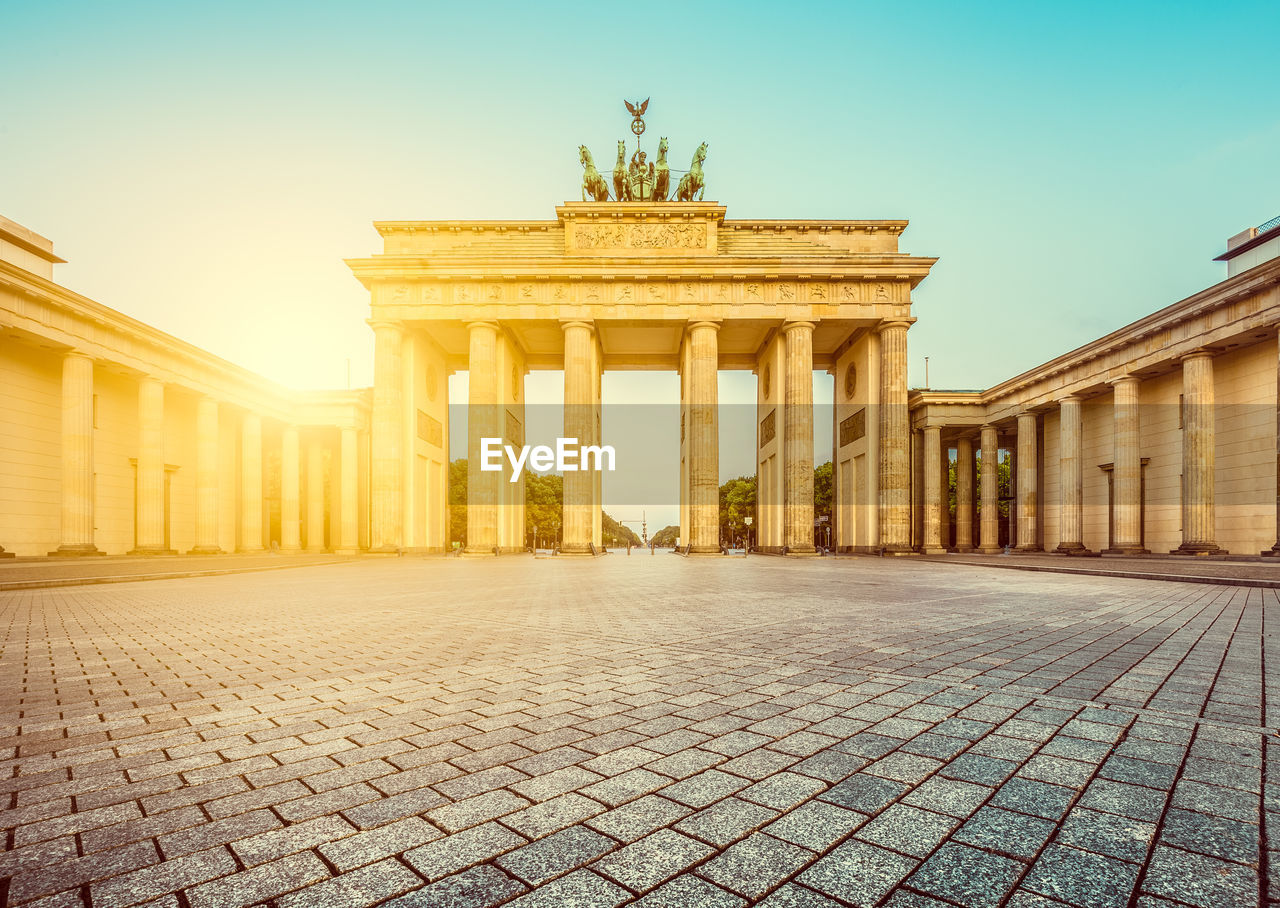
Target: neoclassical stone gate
641	285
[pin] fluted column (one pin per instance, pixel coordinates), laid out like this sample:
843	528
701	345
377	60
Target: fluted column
251	483
1028	485
77	456
349	542
206	478
933	491
895	476
579	423
1274	551
150	525
1127	476
1071	476
964	494
290	529
483	422
1198	530
704	439
315	496
989	525
797	440
387	523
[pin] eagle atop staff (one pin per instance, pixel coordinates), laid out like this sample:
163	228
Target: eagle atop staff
637	110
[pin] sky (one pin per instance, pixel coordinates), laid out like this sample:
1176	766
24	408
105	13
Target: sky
206	168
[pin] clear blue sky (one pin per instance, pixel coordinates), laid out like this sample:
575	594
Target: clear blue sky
206	167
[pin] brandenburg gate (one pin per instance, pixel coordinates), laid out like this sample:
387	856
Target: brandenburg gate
641	284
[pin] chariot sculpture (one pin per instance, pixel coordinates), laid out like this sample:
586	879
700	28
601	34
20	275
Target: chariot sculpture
640	180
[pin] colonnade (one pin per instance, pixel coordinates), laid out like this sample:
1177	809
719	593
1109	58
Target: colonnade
77	510
1126	533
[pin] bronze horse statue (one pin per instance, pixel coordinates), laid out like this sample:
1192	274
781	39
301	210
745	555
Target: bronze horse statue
621	187
662	184
692	183
592	182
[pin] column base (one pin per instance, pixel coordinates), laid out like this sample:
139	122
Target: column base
151	550
897	549
353	551
1273	552
83	548
809	552
989	550
1126	550
314	551
290	550
1076	550
933	550
250	550
1028	550
703	550
4	554
1198	548
385	550
965	549
206	550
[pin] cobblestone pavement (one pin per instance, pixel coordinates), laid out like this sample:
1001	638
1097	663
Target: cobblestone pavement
651	729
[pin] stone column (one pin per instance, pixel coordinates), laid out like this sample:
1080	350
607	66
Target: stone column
989	525
1274	551
933	491
964	494
77	456
797	416
1071	477
150	525
1197	455
207	478
895	477
387	524
483	422
1127	476
251	483
579	422
315	496
1028	492
349	543
704	439
290	530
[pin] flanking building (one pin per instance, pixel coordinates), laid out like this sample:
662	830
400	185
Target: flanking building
118	438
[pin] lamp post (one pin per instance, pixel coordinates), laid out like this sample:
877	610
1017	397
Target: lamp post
747	521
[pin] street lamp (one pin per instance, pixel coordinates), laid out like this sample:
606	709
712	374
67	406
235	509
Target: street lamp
747	521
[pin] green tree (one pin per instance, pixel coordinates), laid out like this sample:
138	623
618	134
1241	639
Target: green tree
458	501
543	505
665	538
616	534
737	502
822	491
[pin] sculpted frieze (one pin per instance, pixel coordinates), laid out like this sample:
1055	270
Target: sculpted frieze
740	291
640	236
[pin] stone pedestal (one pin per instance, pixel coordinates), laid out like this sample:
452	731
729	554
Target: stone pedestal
933	491
704	439
1127	478
1198	524
290	507
1071	477
895	477
150	516
386	526
1028	503
207	478
989	519
251	483
964	494
77	456
797	440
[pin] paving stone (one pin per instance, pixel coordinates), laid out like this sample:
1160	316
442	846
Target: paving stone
162	879
580	889
1014	834
865	793
726	821
1138	772
555	855
266	881
793	896
1081	878
557	782
858	873
276	843
949	796
688	891
815	825
480	887
625	787
71	872
1213	836
908	830
639	818
375	844
444	857
704	788
967	876
1199	880
550	816
783	791
1105	833
647	863
979	769
1038	799
1216	801
756	865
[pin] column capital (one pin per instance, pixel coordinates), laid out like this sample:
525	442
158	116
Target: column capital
483	323
935	429
1127	379
799	323
1027	414
567	323
1198	353
713	323
893	323
1070	399
76	353
384	323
